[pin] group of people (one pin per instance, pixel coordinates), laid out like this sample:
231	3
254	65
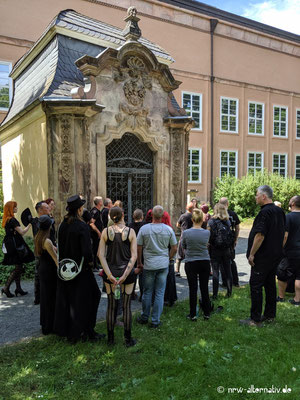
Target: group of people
68	293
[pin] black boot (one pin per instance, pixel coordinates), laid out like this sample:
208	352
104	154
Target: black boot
19	290
129	341
9	281
110	338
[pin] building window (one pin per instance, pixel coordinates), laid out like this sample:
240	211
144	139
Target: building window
255	118
229	115
228	163
5	85
280	121
194	171
192	103
297	169
298	124
280	164
255	162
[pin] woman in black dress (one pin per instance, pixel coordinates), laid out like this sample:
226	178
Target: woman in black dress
77	300
118	262
46	252
17	251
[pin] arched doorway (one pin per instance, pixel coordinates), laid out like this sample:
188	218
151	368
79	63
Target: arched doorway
129	174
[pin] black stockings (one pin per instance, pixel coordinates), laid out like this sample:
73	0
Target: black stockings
15	276
112	309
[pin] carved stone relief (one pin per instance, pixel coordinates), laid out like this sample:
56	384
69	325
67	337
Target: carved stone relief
136	80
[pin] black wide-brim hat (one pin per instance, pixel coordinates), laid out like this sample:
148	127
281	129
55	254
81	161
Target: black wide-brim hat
45	222
26	217
74	202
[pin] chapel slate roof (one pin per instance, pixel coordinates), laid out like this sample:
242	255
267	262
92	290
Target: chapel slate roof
77	22
52	73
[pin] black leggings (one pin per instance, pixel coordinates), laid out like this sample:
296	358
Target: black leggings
112	308
201	269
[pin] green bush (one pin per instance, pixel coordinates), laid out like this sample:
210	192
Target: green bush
241	192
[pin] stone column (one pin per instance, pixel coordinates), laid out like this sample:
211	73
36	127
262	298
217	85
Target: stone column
179	139
69	161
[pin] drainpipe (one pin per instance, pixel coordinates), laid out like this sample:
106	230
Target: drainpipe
213	24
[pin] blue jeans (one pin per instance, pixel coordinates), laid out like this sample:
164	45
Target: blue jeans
154	281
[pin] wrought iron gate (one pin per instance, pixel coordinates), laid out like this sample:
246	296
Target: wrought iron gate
129	174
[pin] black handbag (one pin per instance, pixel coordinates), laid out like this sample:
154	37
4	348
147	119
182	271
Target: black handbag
21	250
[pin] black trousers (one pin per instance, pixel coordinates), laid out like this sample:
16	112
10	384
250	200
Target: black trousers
263	275
221	259
193	270
235	277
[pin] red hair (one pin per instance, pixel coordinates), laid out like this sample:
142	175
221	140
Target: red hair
48	201
166	219
8	212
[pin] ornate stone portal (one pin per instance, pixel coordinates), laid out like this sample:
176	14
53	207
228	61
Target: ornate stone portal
127	91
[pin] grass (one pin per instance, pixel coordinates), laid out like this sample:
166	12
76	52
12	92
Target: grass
181	360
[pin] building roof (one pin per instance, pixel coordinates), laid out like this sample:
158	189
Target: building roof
109	35
216	13
48	69
52	74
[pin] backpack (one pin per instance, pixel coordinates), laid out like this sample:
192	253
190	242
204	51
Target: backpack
223	237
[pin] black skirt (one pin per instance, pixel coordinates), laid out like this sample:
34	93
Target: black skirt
12	257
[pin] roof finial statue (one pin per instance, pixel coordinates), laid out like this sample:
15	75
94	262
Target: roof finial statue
132	30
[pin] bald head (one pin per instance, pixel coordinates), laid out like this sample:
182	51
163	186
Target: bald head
190	207
224	201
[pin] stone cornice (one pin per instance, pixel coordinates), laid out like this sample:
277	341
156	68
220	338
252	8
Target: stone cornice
200	22
217	79
16	41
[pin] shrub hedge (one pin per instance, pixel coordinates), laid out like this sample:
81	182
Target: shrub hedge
241	192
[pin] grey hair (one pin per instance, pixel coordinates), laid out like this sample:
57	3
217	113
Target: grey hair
97	200
157	212
106	202
266	190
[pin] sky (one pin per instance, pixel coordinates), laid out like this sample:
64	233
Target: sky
282	14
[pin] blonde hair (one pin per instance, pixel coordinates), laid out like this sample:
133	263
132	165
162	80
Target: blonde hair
220	211
197	216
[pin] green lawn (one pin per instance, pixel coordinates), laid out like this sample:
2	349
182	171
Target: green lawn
181	360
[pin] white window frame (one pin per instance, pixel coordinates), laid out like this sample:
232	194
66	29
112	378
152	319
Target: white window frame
255	118
287	121
237	114
262	159
200	165
10	84
236	161
297	110
286	162
200	107
296	155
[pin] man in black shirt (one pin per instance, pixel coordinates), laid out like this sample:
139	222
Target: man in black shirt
264	253
235	228
96	226
105	211
292	250
184	222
